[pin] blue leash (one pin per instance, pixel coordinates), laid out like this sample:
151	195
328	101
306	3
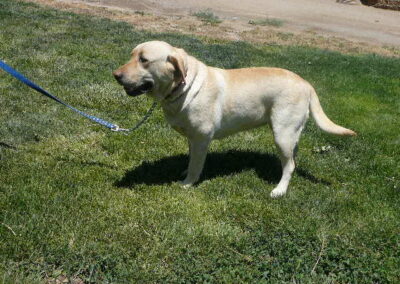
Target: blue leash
100	121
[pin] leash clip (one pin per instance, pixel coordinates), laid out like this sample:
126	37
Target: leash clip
116	128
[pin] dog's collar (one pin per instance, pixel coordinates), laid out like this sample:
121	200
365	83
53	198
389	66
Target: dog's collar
170	97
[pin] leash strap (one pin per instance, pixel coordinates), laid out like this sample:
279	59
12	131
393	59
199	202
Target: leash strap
144	119
100	121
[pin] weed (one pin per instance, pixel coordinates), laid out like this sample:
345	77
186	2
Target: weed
141	13
267	22
207	16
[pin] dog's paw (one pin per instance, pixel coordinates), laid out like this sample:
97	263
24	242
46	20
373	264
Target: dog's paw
185	184
277	192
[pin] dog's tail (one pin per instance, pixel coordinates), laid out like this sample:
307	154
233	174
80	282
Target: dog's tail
323	121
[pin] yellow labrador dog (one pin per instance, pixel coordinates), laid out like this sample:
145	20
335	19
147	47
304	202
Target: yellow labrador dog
205	103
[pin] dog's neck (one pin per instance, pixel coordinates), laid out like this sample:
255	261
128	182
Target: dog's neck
182	94
176	92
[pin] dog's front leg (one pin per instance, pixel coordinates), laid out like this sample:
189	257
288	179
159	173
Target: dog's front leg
197	155
185	172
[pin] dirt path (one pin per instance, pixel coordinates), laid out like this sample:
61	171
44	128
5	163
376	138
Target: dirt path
345	26
343	19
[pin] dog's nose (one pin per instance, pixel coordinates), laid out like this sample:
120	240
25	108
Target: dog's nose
118	75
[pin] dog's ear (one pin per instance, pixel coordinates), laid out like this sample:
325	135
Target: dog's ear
177	58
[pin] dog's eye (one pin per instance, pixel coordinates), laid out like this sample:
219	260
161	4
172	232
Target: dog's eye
143	60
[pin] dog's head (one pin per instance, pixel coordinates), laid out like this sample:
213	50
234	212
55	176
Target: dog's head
155	68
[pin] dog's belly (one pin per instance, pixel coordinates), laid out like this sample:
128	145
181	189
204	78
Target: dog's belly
222	133
233	124
241	112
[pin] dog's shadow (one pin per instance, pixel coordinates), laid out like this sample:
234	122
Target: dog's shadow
169	169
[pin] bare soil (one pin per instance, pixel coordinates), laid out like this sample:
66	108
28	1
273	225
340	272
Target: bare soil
342	25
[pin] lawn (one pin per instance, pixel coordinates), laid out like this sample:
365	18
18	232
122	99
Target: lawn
81	202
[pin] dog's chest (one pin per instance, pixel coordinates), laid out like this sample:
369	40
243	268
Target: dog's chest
179	123
192	122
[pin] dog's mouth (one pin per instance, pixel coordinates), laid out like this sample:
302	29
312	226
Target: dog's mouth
138	90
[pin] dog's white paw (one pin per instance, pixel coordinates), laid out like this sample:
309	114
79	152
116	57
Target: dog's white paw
185	184
277	192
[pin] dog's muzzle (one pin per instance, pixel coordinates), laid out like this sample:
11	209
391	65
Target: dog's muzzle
132	89
138	90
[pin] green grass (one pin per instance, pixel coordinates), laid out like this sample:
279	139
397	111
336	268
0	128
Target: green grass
267	22
80	201
207	16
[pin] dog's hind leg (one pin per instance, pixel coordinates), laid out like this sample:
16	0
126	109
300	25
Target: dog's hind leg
286	137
